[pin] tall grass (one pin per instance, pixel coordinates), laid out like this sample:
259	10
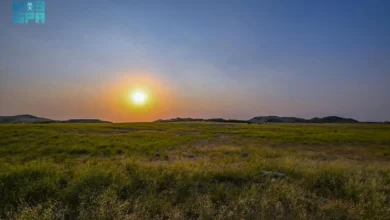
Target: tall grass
193	171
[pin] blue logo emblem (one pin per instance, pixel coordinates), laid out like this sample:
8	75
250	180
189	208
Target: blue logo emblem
28	12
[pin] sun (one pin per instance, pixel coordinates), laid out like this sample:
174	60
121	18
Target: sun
139	97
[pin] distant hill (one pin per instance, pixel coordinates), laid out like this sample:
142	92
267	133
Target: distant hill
179	120
264	119
27	119
200	119
30	119
329	119
226	120
85	121
268	119
24	119
332	119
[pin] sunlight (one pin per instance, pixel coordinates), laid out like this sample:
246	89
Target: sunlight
139	97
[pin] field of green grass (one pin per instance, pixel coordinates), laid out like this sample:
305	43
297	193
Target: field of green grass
195	171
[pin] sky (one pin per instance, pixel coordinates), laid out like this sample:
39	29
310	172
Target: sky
202	59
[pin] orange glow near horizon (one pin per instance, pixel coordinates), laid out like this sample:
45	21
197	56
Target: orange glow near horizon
162	100
138	96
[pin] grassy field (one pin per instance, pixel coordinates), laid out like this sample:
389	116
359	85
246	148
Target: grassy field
195	171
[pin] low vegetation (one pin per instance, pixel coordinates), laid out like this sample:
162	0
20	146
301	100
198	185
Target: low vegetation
195	170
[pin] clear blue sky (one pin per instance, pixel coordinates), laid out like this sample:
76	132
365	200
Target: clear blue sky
231	59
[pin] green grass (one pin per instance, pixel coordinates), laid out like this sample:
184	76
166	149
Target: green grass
195	171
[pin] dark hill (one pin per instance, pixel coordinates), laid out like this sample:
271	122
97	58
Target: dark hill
29	119
24	119
200	119
332	119
267	119
264	119
329	119
85	121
